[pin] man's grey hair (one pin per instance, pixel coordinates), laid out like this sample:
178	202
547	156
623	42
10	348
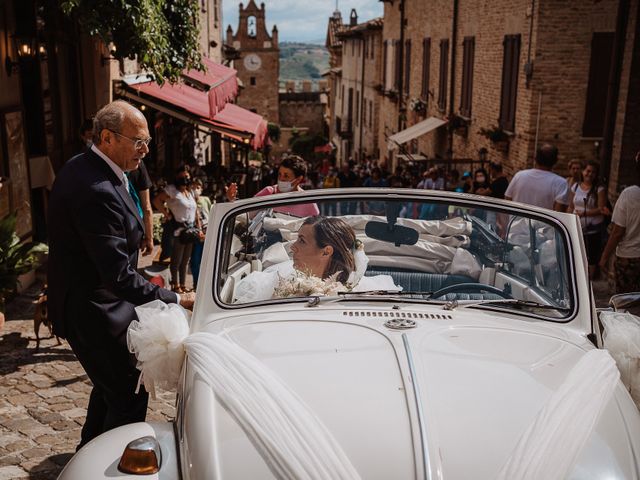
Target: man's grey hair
110	117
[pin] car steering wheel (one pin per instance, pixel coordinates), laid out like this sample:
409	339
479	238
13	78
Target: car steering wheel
469	287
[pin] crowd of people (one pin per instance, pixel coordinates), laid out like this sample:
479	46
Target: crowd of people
184	206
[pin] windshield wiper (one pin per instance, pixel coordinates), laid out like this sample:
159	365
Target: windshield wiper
315	300
509	301
399	293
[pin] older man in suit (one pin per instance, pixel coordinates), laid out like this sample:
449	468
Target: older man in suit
95	235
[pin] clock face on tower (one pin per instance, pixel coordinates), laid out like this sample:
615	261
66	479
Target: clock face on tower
252	62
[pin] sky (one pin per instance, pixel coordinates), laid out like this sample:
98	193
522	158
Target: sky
303	20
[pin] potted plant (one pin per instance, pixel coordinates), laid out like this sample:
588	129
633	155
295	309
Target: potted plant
498	136
459	125
418	105
15	258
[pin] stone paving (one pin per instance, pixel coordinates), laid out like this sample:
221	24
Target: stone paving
44	394
43	397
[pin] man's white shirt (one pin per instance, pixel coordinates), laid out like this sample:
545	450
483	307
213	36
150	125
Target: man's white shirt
541	188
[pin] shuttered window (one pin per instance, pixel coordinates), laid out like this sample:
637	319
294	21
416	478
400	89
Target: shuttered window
396	60
509	93
444	70
407	66
385	46
426	67
468	54
594	112
350	111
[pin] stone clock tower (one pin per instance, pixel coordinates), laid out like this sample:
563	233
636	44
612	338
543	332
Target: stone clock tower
259	64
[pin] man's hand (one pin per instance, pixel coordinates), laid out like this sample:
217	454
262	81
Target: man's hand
231	191
147	247
187	300
604	266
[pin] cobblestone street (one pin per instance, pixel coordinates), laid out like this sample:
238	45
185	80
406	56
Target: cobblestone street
43	397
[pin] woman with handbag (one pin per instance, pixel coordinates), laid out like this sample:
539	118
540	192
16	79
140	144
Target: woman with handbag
588	200
178	204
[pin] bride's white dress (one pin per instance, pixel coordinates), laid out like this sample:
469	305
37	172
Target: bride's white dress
259	286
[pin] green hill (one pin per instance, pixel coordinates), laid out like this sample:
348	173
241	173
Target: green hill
302	61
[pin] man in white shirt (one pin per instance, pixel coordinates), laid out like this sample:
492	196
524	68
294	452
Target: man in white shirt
625	238
539	186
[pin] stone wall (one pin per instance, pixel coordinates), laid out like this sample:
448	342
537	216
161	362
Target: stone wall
302	109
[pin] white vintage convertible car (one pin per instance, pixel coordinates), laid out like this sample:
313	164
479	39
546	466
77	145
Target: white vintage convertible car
443	342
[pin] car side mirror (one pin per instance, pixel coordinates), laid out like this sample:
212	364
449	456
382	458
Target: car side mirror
396	234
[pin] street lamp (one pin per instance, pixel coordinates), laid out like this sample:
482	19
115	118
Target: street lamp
112	52
25	47
482	156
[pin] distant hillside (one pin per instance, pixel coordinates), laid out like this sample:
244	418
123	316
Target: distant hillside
302	61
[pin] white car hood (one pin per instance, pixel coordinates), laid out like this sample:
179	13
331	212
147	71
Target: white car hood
474	389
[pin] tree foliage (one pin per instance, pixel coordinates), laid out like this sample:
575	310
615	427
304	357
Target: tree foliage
162	35
274	132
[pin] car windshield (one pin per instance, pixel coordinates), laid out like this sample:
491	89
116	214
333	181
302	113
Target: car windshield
413	250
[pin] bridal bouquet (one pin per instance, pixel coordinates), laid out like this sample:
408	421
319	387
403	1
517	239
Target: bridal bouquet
303	284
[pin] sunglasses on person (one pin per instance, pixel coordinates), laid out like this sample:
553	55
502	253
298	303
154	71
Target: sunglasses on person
137	142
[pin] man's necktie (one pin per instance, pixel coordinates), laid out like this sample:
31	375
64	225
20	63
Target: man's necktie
134	195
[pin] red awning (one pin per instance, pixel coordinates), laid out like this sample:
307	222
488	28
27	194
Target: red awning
236	116
187	98
221	83
233	121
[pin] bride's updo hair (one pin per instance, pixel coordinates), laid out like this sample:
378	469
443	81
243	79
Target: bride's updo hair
336	233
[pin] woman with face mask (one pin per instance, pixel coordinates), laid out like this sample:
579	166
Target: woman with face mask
291	174
481	185
178	204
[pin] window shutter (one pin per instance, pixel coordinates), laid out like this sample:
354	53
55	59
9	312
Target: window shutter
444	67
467	76
509	94
384	64
594	112
407	67
350	111
397	65
426	67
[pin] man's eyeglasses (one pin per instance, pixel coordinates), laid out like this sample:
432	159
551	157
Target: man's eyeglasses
137	142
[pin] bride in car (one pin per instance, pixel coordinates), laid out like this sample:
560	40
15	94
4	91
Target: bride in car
326	258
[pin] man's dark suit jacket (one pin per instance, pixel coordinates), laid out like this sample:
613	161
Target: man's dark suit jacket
95	233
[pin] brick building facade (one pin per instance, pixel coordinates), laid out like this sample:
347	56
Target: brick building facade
259	63
355	78
533	71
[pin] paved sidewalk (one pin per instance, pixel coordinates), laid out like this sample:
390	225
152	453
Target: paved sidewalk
43	397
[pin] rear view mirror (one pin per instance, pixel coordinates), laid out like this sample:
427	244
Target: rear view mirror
396	234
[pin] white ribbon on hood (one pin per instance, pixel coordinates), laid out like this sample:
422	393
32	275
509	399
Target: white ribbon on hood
550	447
291	439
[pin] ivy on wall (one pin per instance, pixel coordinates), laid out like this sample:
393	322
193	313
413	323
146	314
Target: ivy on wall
162	35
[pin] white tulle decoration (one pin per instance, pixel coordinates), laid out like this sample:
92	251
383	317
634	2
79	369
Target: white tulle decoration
361	261
622	339
156	339
288	435
549	448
